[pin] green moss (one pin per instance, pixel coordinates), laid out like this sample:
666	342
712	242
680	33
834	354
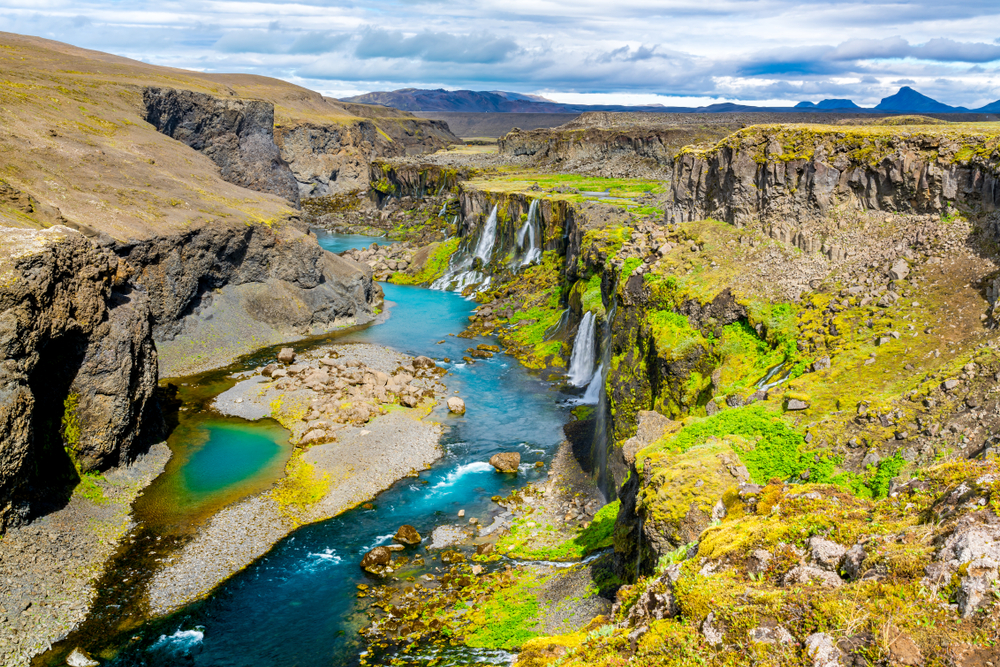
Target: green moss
91	489
300	488
673	334
507	618
591	299
70	426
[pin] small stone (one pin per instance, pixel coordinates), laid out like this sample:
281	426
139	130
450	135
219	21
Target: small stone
286	355
407	535
796	404
899	270
375	559
949	384
461	513
78	658
456	405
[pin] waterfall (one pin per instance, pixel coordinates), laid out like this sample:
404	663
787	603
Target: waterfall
593	394
488	237
601	441
444	209
531	229
460	274
581	361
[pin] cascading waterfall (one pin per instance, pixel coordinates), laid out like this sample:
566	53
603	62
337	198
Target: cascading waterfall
488	237
531	229
460	273
444	209
581	361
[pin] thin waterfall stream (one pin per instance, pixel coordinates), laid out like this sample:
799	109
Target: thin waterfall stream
581	361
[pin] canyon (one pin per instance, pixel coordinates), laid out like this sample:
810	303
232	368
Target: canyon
748	370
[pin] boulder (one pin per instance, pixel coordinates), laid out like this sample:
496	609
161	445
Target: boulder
506	461
267	370
315	435
456	405
825	553
423	362
822	651
680	493
899	270
407	535
376	559
286	355
796	404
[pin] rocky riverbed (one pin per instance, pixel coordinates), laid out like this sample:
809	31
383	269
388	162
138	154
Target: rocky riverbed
357	414
49	568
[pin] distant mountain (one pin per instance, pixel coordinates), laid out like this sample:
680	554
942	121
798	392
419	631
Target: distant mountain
908	99
469	101
828	105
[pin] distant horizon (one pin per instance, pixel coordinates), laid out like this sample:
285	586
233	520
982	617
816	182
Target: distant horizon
696	103
671	52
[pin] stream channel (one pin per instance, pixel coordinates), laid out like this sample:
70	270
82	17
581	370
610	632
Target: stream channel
298	604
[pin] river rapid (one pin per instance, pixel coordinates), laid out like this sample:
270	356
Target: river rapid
298	604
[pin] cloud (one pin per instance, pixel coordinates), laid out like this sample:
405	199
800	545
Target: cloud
315	43
765	50
435	46
251	41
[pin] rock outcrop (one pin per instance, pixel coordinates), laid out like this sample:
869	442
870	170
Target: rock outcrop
800	183
79	367
238	134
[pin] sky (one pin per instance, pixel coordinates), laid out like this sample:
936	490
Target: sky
673	52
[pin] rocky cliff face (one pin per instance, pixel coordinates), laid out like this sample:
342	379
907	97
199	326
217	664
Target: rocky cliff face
411	179
237	134
611	144
261	276
79	367
801	183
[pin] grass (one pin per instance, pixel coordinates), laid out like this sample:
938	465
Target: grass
526	543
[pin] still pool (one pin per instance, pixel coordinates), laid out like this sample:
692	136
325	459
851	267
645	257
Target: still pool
338	243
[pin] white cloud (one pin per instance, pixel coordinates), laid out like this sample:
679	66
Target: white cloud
767	51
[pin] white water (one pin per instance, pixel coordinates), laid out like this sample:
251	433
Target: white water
180	642
444	209
581	361
593	394
461	471
460	273
531	229
488	238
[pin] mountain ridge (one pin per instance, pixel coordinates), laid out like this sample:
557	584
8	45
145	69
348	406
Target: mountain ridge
906	100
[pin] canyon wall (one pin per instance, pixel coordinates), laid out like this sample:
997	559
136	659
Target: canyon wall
238	134
804	184
79	367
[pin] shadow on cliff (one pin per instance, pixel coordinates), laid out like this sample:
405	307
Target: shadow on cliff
53	422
